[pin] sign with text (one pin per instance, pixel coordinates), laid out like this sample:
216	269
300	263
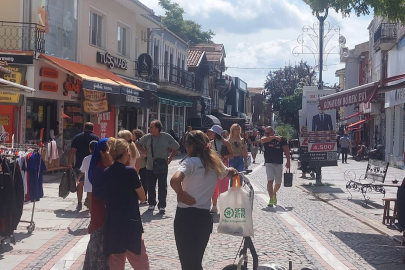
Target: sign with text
101	87
4	120
49	73
95	102
346	98
145	65
111	61
71	84
105	126
17	76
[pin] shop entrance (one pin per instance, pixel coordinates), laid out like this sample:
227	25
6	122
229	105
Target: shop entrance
40	114
128	119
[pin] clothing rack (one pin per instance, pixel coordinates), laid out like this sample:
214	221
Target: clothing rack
12	150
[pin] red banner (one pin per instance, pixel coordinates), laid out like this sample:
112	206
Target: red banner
346	98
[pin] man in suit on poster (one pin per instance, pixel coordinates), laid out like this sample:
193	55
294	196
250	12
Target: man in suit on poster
321	121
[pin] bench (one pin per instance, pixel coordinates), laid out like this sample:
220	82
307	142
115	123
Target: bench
372	180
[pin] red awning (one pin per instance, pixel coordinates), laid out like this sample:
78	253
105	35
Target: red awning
359	122
356	95
394	78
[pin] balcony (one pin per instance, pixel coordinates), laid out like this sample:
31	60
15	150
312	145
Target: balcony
222	82
171	74
19	36
385	37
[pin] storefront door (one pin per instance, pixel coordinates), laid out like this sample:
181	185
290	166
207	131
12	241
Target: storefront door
40	114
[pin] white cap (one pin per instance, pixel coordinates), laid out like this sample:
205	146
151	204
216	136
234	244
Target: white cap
216	129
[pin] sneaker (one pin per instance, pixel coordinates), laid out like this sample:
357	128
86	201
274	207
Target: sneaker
143	203
214	209
79	206
162	210
270	203
275	199
151	207
254	161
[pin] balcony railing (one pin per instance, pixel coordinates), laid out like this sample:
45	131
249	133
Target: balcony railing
20	36
386	34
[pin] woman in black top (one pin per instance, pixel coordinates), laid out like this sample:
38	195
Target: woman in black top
123	225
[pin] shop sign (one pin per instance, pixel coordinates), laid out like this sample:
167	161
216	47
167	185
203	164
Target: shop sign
48	86
400	94
49	73
95	102
71	84
4	120
97	86
133	99
145	65
112	61
351	97
16	59
129	91
17	76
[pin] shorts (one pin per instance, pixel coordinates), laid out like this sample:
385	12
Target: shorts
274	172
254	150
77	172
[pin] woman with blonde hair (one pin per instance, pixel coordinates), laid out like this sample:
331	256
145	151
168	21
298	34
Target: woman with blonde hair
194	183
123	225
239	160
127	135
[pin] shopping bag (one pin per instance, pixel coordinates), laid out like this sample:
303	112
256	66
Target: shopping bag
288	178
64	185
72	180
235	211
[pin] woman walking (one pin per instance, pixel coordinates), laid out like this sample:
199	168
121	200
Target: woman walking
224	149
140	165
123	225
239	160
95	258
194	183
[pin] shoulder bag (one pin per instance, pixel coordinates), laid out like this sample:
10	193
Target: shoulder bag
159	164
224	150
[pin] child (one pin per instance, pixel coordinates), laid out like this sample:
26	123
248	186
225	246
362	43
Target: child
84	169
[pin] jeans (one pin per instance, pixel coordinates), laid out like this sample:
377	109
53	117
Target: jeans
338	152
237	163
192	229
162	188
344	150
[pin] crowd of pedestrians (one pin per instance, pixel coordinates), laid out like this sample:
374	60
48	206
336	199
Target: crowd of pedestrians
119	174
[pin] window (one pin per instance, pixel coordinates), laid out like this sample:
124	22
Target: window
96	30
123	40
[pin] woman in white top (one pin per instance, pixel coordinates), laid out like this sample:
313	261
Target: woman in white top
127	135
194	183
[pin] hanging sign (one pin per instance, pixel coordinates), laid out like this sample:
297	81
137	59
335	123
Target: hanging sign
49	73
4	120
145	65
95	102
17	76
111	61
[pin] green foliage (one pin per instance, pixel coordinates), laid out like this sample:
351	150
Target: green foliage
284	90
285	130
391	9
188	30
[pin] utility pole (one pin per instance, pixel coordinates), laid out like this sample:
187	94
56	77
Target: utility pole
320	83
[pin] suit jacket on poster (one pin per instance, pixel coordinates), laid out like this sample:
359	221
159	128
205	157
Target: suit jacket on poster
325	125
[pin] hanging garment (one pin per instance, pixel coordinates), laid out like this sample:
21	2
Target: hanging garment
18	202
6	200
27	176
36	168
53	154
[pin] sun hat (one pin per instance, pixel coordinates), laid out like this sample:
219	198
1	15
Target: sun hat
216	129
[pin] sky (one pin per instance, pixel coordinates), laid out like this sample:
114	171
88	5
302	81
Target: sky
261	34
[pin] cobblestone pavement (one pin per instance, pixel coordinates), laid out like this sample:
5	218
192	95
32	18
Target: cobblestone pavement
303	229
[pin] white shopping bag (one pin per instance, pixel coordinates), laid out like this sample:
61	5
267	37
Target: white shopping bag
235	211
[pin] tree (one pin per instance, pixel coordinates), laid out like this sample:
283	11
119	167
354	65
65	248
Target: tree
283	90
188	30
286	130
392	9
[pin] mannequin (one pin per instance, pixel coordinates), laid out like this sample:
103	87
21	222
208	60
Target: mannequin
43	17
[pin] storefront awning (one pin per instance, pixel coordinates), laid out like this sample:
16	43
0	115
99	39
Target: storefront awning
359	122
92	78
170	99
14	88
356	95
351	116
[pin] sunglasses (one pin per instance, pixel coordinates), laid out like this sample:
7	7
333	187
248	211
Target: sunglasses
267	133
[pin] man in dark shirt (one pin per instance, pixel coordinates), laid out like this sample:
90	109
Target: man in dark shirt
274	146
80	147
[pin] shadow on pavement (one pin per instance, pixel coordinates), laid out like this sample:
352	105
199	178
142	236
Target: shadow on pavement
62	213
78	231
388	251
323	189
370	204
18	236
148	216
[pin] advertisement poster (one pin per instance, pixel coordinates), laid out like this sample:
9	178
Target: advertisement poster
106	126
17	75
95	102
318	130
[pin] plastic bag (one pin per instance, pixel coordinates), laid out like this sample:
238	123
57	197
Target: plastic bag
64	185
235	211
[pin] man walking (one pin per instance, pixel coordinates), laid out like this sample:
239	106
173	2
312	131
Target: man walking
344	147
274	146
80	148
157	146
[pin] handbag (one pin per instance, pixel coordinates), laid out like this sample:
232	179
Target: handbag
159	164
235	210
288	178
224	150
